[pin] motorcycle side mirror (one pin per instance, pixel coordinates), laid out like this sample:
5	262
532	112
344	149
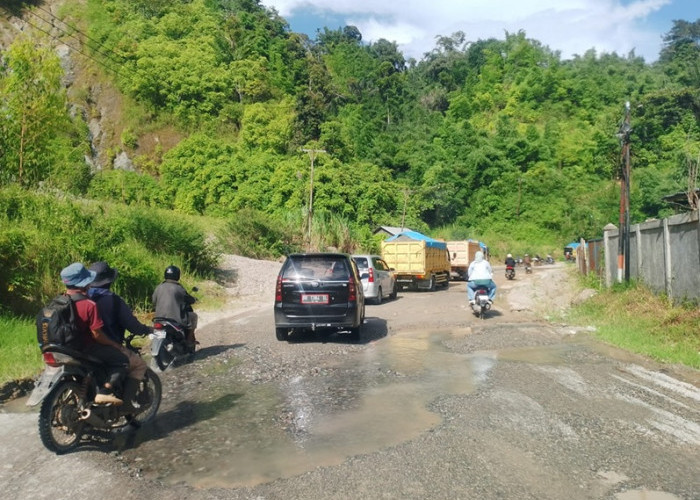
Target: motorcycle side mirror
195	289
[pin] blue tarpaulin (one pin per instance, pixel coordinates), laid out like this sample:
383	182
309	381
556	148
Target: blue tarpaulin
415	235
573	245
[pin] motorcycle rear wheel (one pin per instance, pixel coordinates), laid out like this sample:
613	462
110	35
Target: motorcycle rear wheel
60	428
164	358
149	397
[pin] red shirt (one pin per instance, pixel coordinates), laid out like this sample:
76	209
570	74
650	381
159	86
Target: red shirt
88	318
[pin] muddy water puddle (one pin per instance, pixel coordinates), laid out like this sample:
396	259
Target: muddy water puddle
244	435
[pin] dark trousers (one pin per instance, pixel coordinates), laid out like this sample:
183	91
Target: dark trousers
116	363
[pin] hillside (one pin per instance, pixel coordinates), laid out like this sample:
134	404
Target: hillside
206	108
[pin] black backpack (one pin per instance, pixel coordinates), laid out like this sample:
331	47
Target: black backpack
55	323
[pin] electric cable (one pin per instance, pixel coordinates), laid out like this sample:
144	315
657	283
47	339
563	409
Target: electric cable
65	33
101	63
77	30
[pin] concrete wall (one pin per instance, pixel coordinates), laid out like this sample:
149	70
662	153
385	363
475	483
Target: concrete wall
664	254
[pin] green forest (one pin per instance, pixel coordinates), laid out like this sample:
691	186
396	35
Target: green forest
500	140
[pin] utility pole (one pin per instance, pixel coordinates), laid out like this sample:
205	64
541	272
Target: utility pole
309	215
623	258
406	192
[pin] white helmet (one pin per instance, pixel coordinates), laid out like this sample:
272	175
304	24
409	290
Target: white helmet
509	256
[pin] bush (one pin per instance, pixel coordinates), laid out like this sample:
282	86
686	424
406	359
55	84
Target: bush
44	234
259	236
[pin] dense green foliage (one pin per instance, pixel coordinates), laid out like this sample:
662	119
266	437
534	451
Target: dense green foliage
43	234
496	139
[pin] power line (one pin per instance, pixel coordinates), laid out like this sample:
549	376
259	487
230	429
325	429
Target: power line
101	63
76	29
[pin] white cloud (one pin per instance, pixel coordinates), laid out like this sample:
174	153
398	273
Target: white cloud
569	26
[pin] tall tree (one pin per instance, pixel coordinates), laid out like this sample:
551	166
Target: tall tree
33	103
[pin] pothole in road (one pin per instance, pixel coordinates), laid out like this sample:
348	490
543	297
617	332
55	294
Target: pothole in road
372	401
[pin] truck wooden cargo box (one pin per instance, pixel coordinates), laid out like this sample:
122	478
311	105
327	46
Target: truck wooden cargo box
419	261
461	255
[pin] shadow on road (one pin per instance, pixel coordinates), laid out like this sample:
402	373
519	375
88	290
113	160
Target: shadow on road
185	414
372	329
214	350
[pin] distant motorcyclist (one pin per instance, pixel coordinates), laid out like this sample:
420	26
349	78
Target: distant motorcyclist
171	301
478	274
510	261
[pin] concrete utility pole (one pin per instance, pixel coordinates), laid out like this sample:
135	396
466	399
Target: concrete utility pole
623	258
309	216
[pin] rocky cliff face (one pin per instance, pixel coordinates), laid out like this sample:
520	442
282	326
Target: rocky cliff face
90	88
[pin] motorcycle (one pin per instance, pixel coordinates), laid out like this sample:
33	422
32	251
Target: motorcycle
481	301
528	269
510	272
66	390
169	343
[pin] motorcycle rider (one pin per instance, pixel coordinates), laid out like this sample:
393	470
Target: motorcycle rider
94	341
172	301
480	273
510	261
118	317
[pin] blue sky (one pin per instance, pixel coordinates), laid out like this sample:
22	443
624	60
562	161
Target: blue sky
568	26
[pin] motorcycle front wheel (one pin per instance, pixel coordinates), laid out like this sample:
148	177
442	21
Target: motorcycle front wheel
60	427
148	397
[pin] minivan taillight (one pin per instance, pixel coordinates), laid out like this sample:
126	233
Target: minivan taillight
352	292
278	291
371	275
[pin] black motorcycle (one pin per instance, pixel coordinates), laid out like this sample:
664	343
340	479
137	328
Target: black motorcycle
67	389
169	343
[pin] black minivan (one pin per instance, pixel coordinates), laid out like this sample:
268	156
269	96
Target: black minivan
319	291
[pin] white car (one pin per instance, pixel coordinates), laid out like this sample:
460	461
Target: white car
378	280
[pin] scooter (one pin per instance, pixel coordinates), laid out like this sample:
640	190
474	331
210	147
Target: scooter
66	390
481	301
510	272
169	343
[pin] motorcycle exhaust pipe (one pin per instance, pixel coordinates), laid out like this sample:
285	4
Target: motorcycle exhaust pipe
91	418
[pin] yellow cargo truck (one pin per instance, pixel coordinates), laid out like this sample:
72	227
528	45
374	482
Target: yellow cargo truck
419	262
461	255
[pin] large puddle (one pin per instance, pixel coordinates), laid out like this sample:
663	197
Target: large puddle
378	399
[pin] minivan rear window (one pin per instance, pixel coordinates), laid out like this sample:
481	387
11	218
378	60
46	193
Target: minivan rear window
361	262
316	267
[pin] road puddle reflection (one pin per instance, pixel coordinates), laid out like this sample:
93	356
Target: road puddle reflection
374	400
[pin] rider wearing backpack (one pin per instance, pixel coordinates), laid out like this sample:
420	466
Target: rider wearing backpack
92	339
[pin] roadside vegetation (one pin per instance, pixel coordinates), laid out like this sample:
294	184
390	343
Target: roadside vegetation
630	316
19	352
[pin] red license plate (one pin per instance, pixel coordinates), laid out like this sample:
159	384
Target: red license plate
314	298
